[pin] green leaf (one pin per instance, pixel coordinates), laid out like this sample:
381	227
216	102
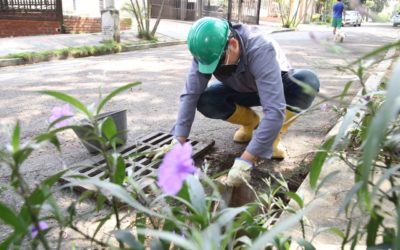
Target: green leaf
228	215
116	191
62	118
171	237
8	216
383	246
50	181
391	171
22	154
345	90
108	128
100	201
376	52
375	221
50	137
396	242
348	120
349	196
377	130
141	221
114	93
197	195
307	245
296	198
119	174
268	237
326	179
5	244
337	231
41	193
245	240
101	221
156	244
69	99
55	209
318	161
16	137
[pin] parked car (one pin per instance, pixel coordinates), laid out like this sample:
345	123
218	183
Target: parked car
396	19
352	17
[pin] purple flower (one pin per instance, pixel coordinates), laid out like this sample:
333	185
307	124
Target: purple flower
35	231
58	112
324	107
176	166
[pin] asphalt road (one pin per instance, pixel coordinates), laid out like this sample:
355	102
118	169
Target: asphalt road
153	105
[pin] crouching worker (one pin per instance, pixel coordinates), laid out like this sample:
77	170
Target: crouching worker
251	71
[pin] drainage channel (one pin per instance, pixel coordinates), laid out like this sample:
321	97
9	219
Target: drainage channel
136	160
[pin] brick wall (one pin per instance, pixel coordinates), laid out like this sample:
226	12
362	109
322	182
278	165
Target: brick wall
72	24
75	24
9	27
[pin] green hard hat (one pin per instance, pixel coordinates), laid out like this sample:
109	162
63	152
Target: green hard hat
206	40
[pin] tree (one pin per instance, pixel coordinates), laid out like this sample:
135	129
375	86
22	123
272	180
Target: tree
289	18
142	13
378	5
369	4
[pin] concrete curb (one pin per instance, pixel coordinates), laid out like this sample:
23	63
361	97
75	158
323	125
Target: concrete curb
11	62
324	209
5	62
126	48
283	30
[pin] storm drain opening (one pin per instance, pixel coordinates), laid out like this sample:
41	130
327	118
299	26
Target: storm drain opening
136	160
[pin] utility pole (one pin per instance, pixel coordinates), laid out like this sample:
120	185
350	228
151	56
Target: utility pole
110	22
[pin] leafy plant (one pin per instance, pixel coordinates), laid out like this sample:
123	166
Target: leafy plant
367	142
289	18
142	13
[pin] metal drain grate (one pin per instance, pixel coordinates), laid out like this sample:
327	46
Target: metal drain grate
137	162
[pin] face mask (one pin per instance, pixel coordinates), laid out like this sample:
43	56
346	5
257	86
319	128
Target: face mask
227	69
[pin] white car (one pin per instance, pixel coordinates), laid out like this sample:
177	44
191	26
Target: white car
396	19
352	17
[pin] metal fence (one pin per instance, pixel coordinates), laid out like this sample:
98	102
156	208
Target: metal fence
31	9
246	11
174	9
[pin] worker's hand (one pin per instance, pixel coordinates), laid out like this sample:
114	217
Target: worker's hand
239	173
160	152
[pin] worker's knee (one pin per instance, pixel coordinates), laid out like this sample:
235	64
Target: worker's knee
212	106
296	96
307	77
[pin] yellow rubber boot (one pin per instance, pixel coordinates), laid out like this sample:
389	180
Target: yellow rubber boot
248	119
278	152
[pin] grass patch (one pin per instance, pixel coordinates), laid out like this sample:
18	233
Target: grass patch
104	48
83	51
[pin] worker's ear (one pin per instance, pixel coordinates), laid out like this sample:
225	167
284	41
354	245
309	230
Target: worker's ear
233	44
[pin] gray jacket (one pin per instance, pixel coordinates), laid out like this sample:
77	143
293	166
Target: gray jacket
259	70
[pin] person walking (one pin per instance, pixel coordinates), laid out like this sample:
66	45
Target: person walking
337	15
250	70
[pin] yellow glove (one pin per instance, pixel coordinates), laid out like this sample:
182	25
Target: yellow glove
160	152
239	173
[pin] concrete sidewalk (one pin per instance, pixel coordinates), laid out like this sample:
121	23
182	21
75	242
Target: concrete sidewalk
167	31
